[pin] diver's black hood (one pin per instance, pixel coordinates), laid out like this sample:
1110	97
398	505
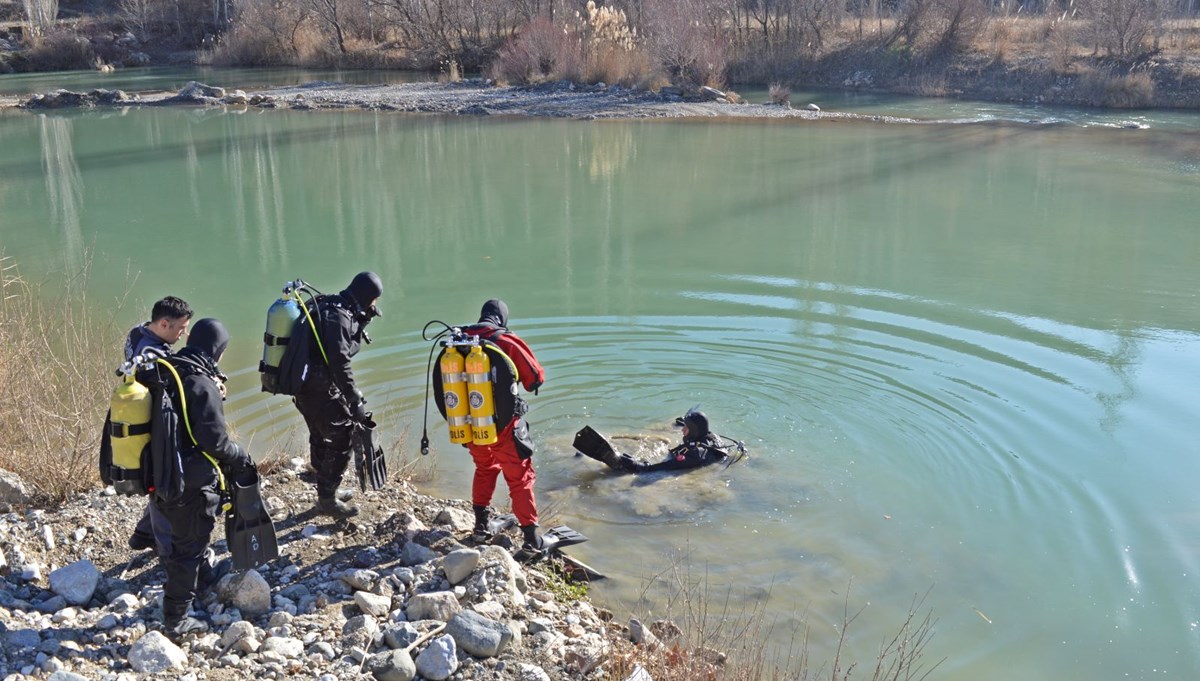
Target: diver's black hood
697	424
495	313
364	289
207	340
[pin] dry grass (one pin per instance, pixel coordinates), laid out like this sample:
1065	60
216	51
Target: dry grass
714	636
55	356
1100	87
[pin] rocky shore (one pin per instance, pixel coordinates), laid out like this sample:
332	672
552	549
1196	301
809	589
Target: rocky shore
468	98
395	594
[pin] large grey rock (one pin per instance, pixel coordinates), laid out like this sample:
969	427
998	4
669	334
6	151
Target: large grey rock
439	660
400	635
360	580
63	675
359	631
288	647
21	638
458	519
248	592
641	634
394	665
531	672
458	565
415	554
155	654
371	604
439	605
75	582
478	635
199	91
236	632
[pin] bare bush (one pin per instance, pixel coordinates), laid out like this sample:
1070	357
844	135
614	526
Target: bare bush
61	50
467	31
940	28
54	365
269	33
1121	27
780	94
542	51
689	39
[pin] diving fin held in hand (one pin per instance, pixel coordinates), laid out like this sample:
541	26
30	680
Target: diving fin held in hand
249	531
369	462
590	443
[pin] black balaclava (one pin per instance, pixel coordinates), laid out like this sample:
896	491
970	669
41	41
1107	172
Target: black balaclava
208	340
363	289
697	425
494	312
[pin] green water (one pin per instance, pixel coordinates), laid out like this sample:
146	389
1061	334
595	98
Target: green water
964	356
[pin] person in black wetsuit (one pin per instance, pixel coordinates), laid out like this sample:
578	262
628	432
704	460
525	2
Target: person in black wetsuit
700	447
183	526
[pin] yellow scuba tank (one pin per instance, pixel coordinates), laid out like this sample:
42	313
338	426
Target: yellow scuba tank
483	407
131	409
281	318
454	393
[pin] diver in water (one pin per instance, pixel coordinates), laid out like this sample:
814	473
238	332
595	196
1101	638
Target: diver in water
700	447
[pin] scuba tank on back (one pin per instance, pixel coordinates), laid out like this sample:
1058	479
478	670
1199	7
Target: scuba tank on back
131	408
281	317
279	342
478	395
482	406
454	394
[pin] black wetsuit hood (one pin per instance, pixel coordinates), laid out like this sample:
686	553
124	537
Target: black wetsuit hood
362	291
206	343
494	313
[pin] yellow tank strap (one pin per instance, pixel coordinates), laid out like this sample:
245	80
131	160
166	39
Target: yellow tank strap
188	423
316	333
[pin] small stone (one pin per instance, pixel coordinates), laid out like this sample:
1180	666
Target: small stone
360	580
439	605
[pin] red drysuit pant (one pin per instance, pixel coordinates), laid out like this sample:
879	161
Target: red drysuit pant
490	462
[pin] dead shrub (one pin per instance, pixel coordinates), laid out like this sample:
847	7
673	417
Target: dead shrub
266	33
780	94
542	51
689	40
1106	88
1120	27
60	50
56	363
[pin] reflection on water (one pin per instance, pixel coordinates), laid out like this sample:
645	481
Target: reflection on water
961	356
64	187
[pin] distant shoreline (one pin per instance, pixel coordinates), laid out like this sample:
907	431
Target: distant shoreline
470	98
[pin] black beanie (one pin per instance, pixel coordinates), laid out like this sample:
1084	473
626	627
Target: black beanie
209	337
365	288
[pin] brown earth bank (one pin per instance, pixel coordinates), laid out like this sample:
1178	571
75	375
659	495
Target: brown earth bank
343	600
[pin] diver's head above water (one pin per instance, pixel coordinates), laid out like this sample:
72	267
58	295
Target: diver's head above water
694	424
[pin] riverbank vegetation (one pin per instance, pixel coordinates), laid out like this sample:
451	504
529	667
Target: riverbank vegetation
55	353
1106	52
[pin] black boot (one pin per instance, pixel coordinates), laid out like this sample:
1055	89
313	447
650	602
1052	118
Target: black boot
330	505
531	548
177	625
481	534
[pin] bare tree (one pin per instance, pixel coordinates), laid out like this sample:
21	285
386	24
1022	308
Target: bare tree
41	14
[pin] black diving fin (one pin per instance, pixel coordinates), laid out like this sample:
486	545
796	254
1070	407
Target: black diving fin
590	443
558	538
249	531
369	462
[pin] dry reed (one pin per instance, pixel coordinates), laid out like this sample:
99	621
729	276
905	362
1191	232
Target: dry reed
55	357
